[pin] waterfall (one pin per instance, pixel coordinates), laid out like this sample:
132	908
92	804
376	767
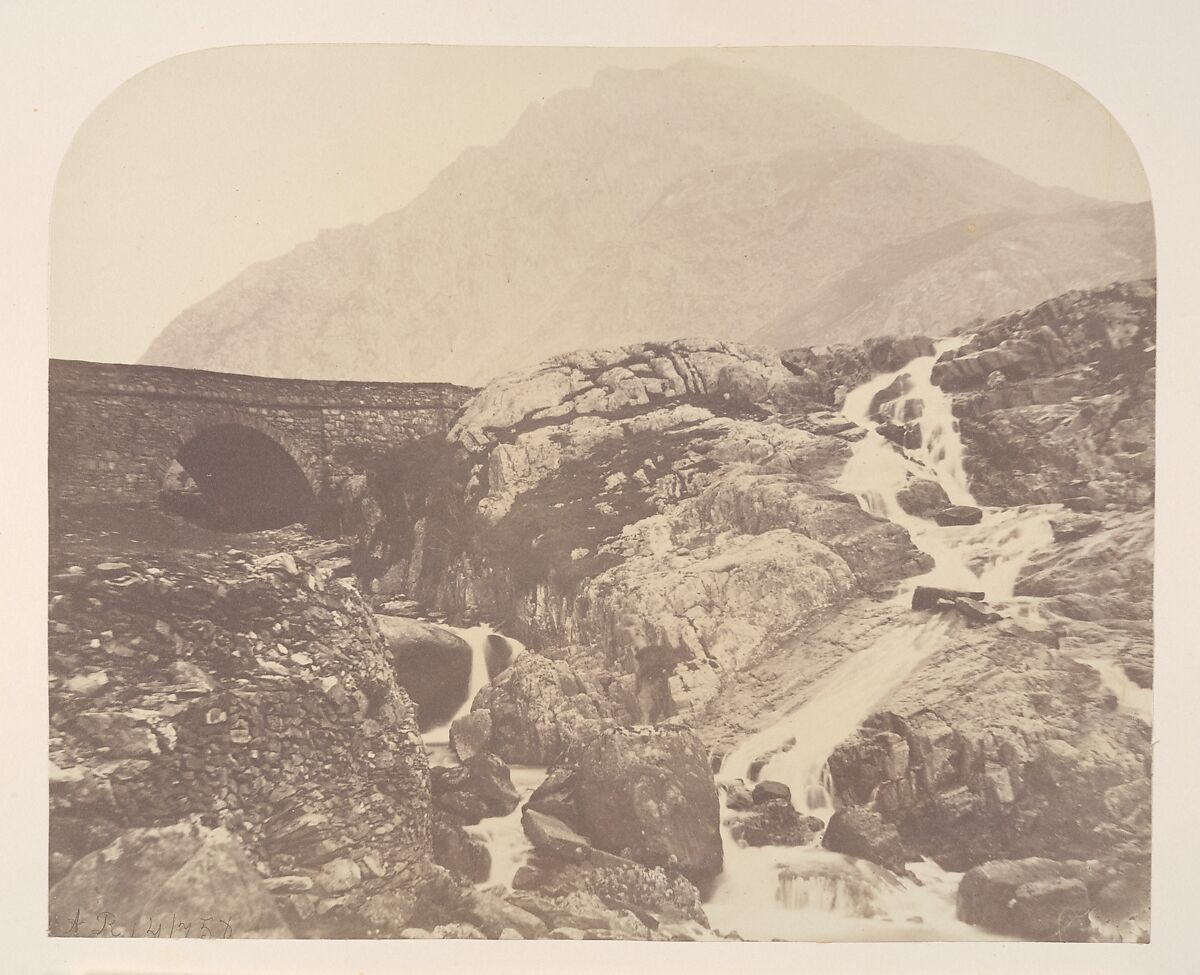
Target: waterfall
504	836
838	704
808	892
437	739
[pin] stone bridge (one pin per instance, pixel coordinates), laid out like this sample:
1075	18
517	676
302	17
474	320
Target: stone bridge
117	431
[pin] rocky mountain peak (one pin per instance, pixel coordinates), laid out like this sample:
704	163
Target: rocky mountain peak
699	199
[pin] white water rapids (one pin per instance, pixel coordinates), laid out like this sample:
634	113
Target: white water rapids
808	893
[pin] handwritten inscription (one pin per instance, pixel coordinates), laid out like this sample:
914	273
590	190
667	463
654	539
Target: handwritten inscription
105	924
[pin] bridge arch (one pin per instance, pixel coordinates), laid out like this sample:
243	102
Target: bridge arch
195	424
243	473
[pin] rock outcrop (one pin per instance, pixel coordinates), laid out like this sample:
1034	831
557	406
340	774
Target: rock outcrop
175	881
1034	899
657	516
1058	402
1003	748
648	794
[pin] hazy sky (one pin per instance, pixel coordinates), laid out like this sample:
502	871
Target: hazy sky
209	162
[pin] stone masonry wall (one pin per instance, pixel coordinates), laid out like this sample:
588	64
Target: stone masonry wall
256	694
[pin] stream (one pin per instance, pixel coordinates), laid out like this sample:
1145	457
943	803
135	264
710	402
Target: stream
808	893
504	836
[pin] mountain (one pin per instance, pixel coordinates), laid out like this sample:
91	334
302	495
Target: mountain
656	204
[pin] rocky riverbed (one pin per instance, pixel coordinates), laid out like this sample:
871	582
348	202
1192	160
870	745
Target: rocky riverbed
708	668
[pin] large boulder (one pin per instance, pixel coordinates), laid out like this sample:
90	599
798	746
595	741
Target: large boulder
922	497
464	855
863	833
648	794
432	664
538	709
1034	898
471	734
162	877
959	514
478	788
775	823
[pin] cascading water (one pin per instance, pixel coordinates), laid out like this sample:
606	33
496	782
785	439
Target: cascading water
808	893
503	835
437	739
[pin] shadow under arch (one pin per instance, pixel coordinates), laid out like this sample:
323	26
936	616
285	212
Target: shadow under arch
231	477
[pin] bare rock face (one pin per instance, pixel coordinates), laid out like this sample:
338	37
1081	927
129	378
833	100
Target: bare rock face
148	880
1070	414
596	382
538	709
1035	898
648	794
661	514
